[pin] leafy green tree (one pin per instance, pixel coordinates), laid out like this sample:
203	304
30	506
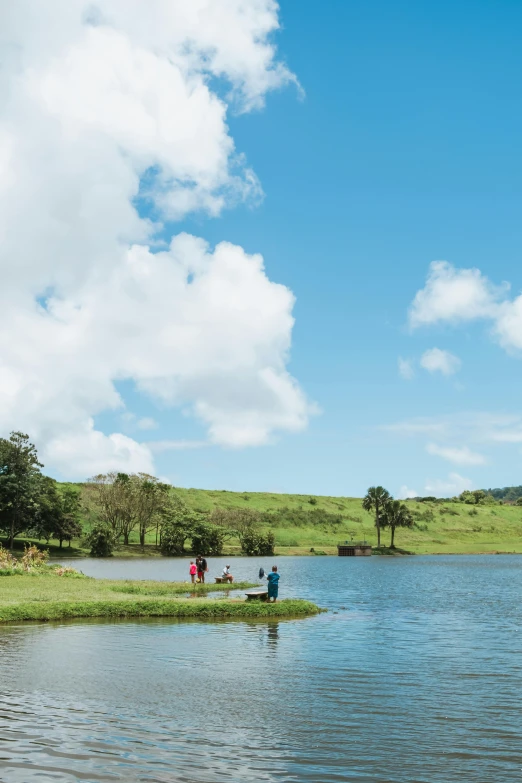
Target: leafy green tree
395	514
257	543
100	539
178	524
207	539
70	525
103	494
240	523
475	497
58	512
20	483
127	501
374	500
151	497
519	501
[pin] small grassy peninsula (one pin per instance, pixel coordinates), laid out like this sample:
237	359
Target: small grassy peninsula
60	594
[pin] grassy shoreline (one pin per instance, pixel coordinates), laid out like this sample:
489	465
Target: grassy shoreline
46	596
134	551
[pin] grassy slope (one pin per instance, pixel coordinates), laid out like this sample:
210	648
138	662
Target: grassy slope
50	597
452	530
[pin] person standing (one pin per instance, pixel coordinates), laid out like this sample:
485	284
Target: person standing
193	571
202	569
273	584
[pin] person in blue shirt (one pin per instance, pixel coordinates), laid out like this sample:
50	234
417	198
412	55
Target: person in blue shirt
273	584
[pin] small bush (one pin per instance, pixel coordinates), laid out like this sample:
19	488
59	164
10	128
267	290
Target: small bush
69	572
8	563
312	501
173	540
33	558
448	510
208	540
100	540
255	543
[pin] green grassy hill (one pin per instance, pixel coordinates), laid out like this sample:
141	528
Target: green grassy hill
303	522
439	527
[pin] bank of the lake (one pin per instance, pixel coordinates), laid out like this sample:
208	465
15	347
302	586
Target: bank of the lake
47	596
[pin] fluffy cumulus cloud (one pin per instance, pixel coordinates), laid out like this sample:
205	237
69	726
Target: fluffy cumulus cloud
437	360
111	110
454	296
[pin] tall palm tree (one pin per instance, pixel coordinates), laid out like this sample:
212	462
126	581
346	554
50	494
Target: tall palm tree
374	500
395	514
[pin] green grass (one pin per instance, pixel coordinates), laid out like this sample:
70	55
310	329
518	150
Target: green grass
45	596
448	528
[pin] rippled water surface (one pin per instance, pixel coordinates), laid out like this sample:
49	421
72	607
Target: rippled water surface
415	674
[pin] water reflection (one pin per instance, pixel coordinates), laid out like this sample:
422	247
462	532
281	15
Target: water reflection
273	635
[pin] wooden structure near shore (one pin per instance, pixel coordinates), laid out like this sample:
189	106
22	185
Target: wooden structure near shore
354	549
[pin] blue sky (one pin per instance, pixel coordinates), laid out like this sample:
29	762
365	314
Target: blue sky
403	150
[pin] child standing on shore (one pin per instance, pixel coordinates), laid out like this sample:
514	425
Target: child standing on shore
273	584
193	570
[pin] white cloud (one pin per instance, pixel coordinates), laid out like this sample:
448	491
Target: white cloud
103	107
508	324
454	485
406	493
406	370
437	360
454	295
459	456
147	423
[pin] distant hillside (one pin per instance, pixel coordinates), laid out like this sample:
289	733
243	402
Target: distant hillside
303	522
506	493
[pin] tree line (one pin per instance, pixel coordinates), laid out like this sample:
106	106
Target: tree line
120	504
126	503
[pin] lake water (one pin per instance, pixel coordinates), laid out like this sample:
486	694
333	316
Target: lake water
414	675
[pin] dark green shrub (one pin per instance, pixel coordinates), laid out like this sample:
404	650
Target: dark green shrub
207	540
255	543
100	540
173	536
312	501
